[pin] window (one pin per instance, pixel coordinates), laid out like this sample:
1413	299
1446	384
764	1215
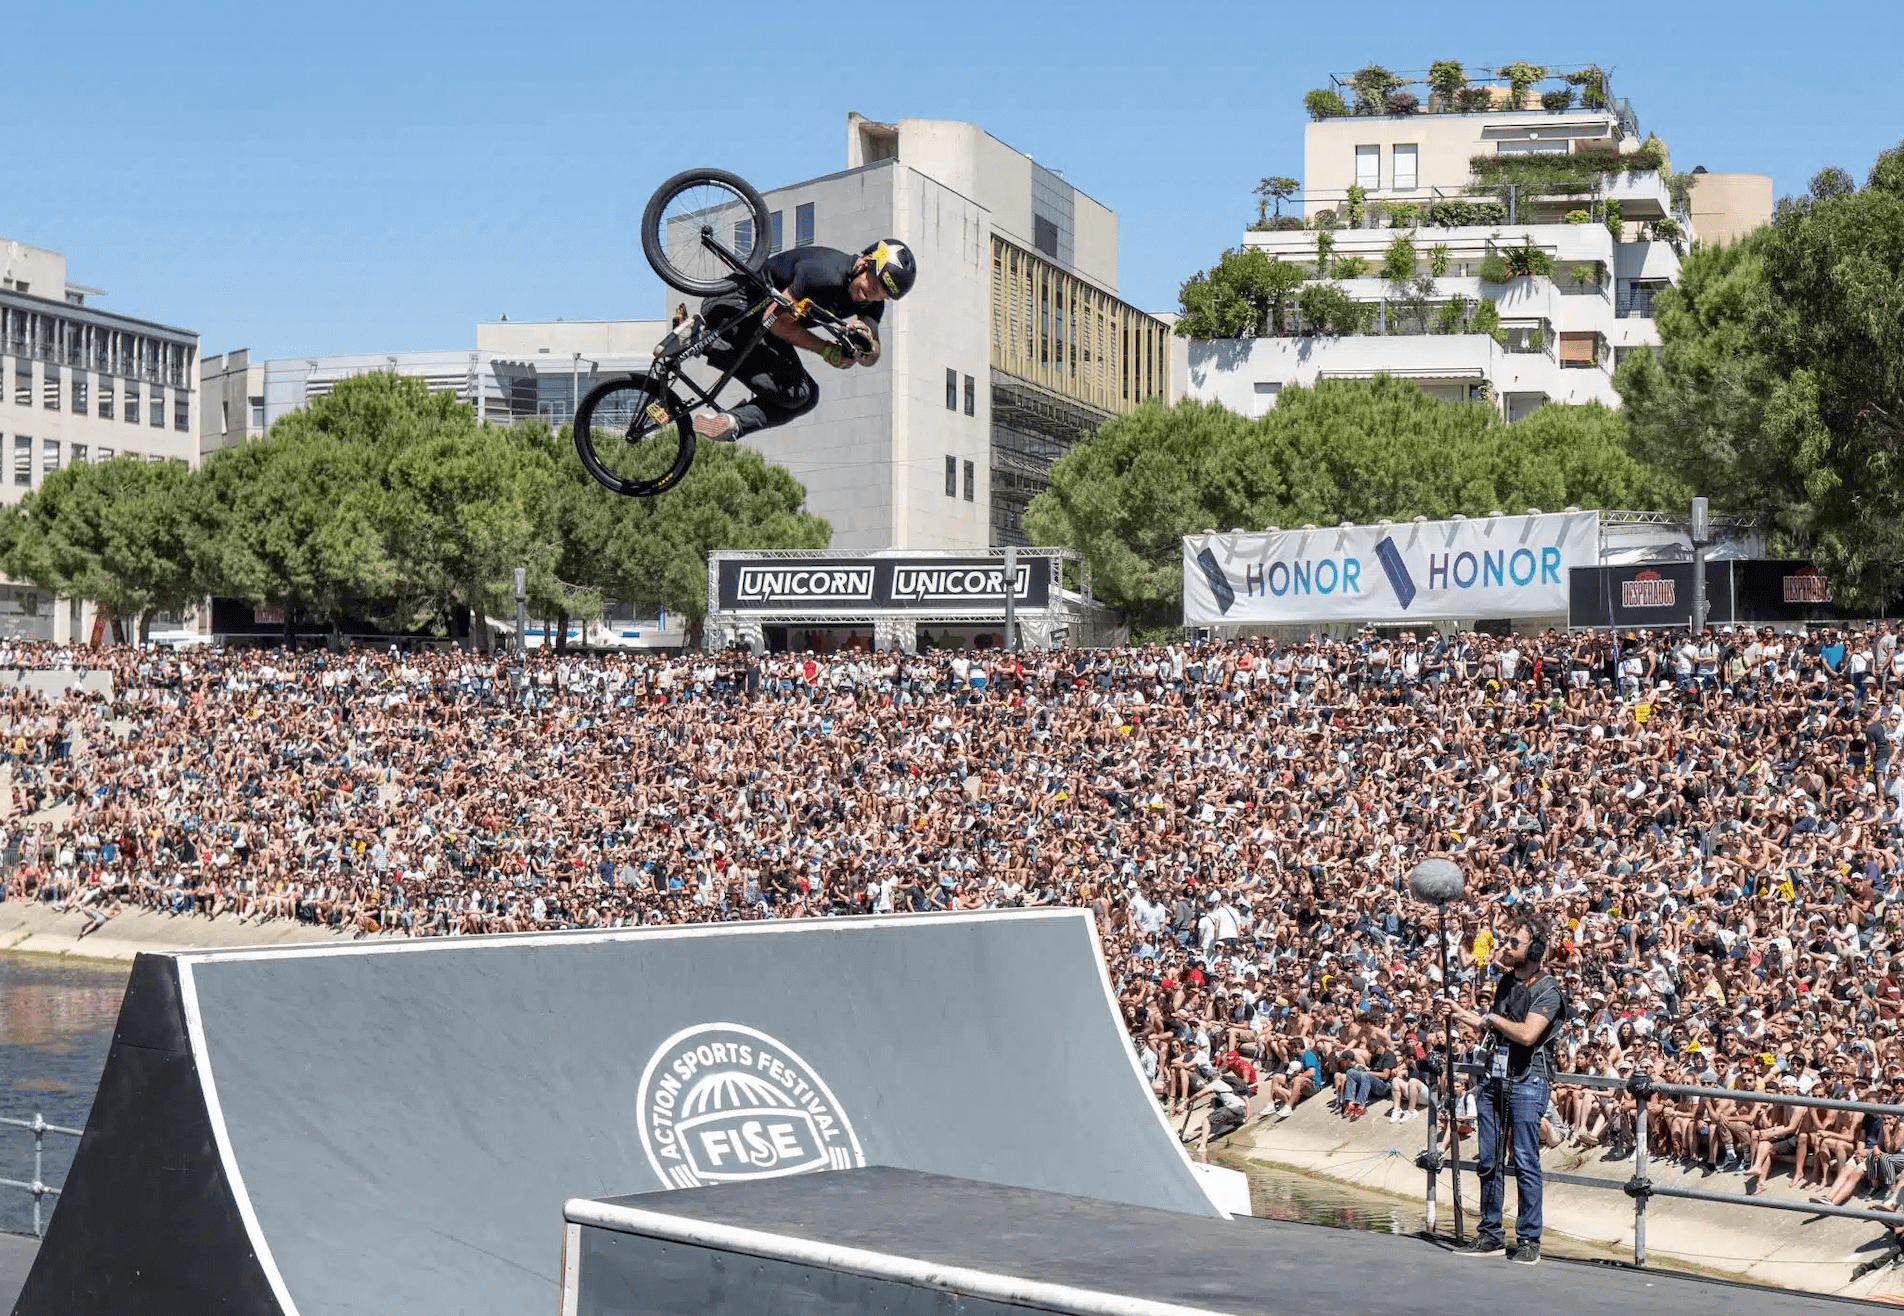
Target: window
182	411
50	388
971	482
49	457
155	407
22	459
1368	167
951	476
1267	391
803	225
774	230
105	454
951	390
79	394
257	413
132	403
106	391
1404	170
971	396
79	453
224	416
1044	235
23	383
743	237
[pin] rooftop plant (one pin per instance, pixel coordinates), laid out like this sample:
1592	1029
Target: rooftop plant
1472	100
1465	214
1592	82
1557	100
1401	102
1447	78
1526	258
1372	84
1520	76
1325	103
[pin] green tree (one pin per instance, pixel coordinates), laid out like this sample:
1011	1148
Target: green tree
1247	294
117	532
1779	387
655	550
1356	450
1277	188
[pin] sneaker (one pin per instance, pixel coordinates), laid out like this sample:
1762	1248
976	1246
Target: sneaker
1481	1247
719	426
1395	1115
1410	1115
1527	1254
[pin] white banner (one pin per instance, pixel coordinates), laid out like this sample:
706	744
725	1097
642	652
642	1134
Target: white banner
1494	566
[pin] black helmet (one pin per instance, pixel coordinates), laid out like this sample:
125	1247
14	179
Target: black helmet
892	265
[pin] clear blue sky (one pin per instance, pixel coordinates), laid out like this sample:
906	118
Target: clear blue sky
379	177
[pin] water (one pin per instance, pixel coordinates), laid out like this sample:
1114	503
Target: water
1283	1195
56	1021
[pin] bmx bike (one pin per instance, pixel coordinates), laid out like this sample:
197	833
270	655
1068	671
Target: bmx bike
706	233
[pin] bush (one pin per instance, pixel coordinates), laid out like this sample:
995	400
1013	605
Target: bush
1487	320
1448	78
1520	76
1473	100
1277	224
1351	267
1528	259
1403	214
1493	267
1325	103
1372	85
1327	309
1438	259
1402	102
1465	214
1578	217
1615	225
1399	261
1557	100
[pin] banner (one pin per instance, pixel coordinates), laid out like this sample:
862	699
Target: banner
1490	567
1650	595
856	585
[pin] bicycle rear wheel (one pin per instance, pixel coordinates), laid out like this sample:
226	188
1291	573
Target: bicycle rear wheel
635	435
699	203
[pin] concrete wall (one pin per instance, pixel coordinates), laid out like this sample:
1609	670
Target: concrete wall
592	338
32	269
1725	207
226	385
872	455
1444	143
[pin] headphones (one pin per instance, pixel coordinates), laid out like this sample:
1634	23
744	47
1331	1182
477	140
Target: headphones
1537	940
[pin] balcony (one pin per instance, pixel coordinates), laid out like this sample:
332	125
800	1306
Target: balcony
1642	196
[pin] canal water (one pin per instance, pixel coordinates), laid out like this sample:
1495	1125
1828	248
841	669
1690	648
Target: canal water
56	1020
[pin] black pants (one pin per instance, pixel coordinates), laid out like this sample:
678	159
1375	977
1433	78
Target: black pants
773	372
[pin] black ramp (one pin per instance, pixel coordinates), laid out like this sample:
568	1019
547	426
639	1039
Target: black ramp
408	1119
676	1254
148	1221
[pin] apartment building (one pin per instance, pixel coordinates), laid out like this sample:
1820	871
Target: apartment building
81	384
1540	236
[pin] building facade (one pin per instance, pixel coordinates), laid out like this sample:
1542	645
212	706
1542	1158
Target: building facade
82	384
1535	241
1012	344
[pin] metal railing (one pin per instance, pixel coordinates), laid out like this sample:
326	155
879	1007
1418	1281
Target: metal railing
39	1128
1640	1186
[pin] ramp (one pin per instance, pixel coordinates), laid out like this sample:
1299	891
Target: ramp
881	1242
395	1126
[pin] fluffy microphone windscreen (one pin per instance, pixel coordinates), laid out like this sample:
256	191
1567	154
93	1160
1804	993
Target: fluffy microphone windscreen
1438	881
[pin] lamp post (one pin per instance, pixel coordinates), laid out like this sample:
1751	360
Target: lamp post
522	614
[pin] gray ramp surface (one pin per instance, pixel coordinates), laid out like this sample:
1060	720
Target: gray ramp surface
406	1120
1236	1267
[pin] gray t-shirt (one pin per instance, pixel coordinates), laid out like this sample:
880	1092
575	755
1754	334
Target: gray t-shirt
1515	1000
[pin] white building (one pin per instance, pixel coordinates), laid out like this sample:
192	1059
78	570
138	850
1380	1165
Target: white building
1609	241
81	384
1012	343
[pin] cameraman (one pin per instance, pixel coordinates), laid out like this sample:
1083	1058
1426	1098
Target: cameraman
1516	1034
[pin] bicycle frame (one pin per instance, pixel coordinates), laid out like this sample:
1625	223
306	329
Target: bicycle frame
669	361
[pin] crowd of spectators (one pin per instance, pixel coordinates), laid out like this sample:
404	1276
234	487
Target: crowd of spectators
1713	824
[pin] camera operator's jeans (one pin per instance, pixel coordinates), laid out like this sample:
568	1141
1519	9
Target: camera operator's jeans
1525	1101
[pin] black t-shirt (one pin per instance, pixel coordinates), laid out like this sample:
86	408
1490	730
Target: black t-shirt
1515	1000
822	274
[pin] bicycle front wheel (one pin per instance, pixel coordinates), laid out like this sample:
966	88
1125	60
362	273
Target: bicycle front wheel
693	207
635	435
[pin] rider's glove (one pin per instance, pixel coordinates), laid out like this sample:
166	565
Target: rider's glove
835	355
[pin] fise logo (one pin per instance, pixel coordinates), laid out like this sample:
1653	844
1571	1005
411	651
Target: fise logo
721	1102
